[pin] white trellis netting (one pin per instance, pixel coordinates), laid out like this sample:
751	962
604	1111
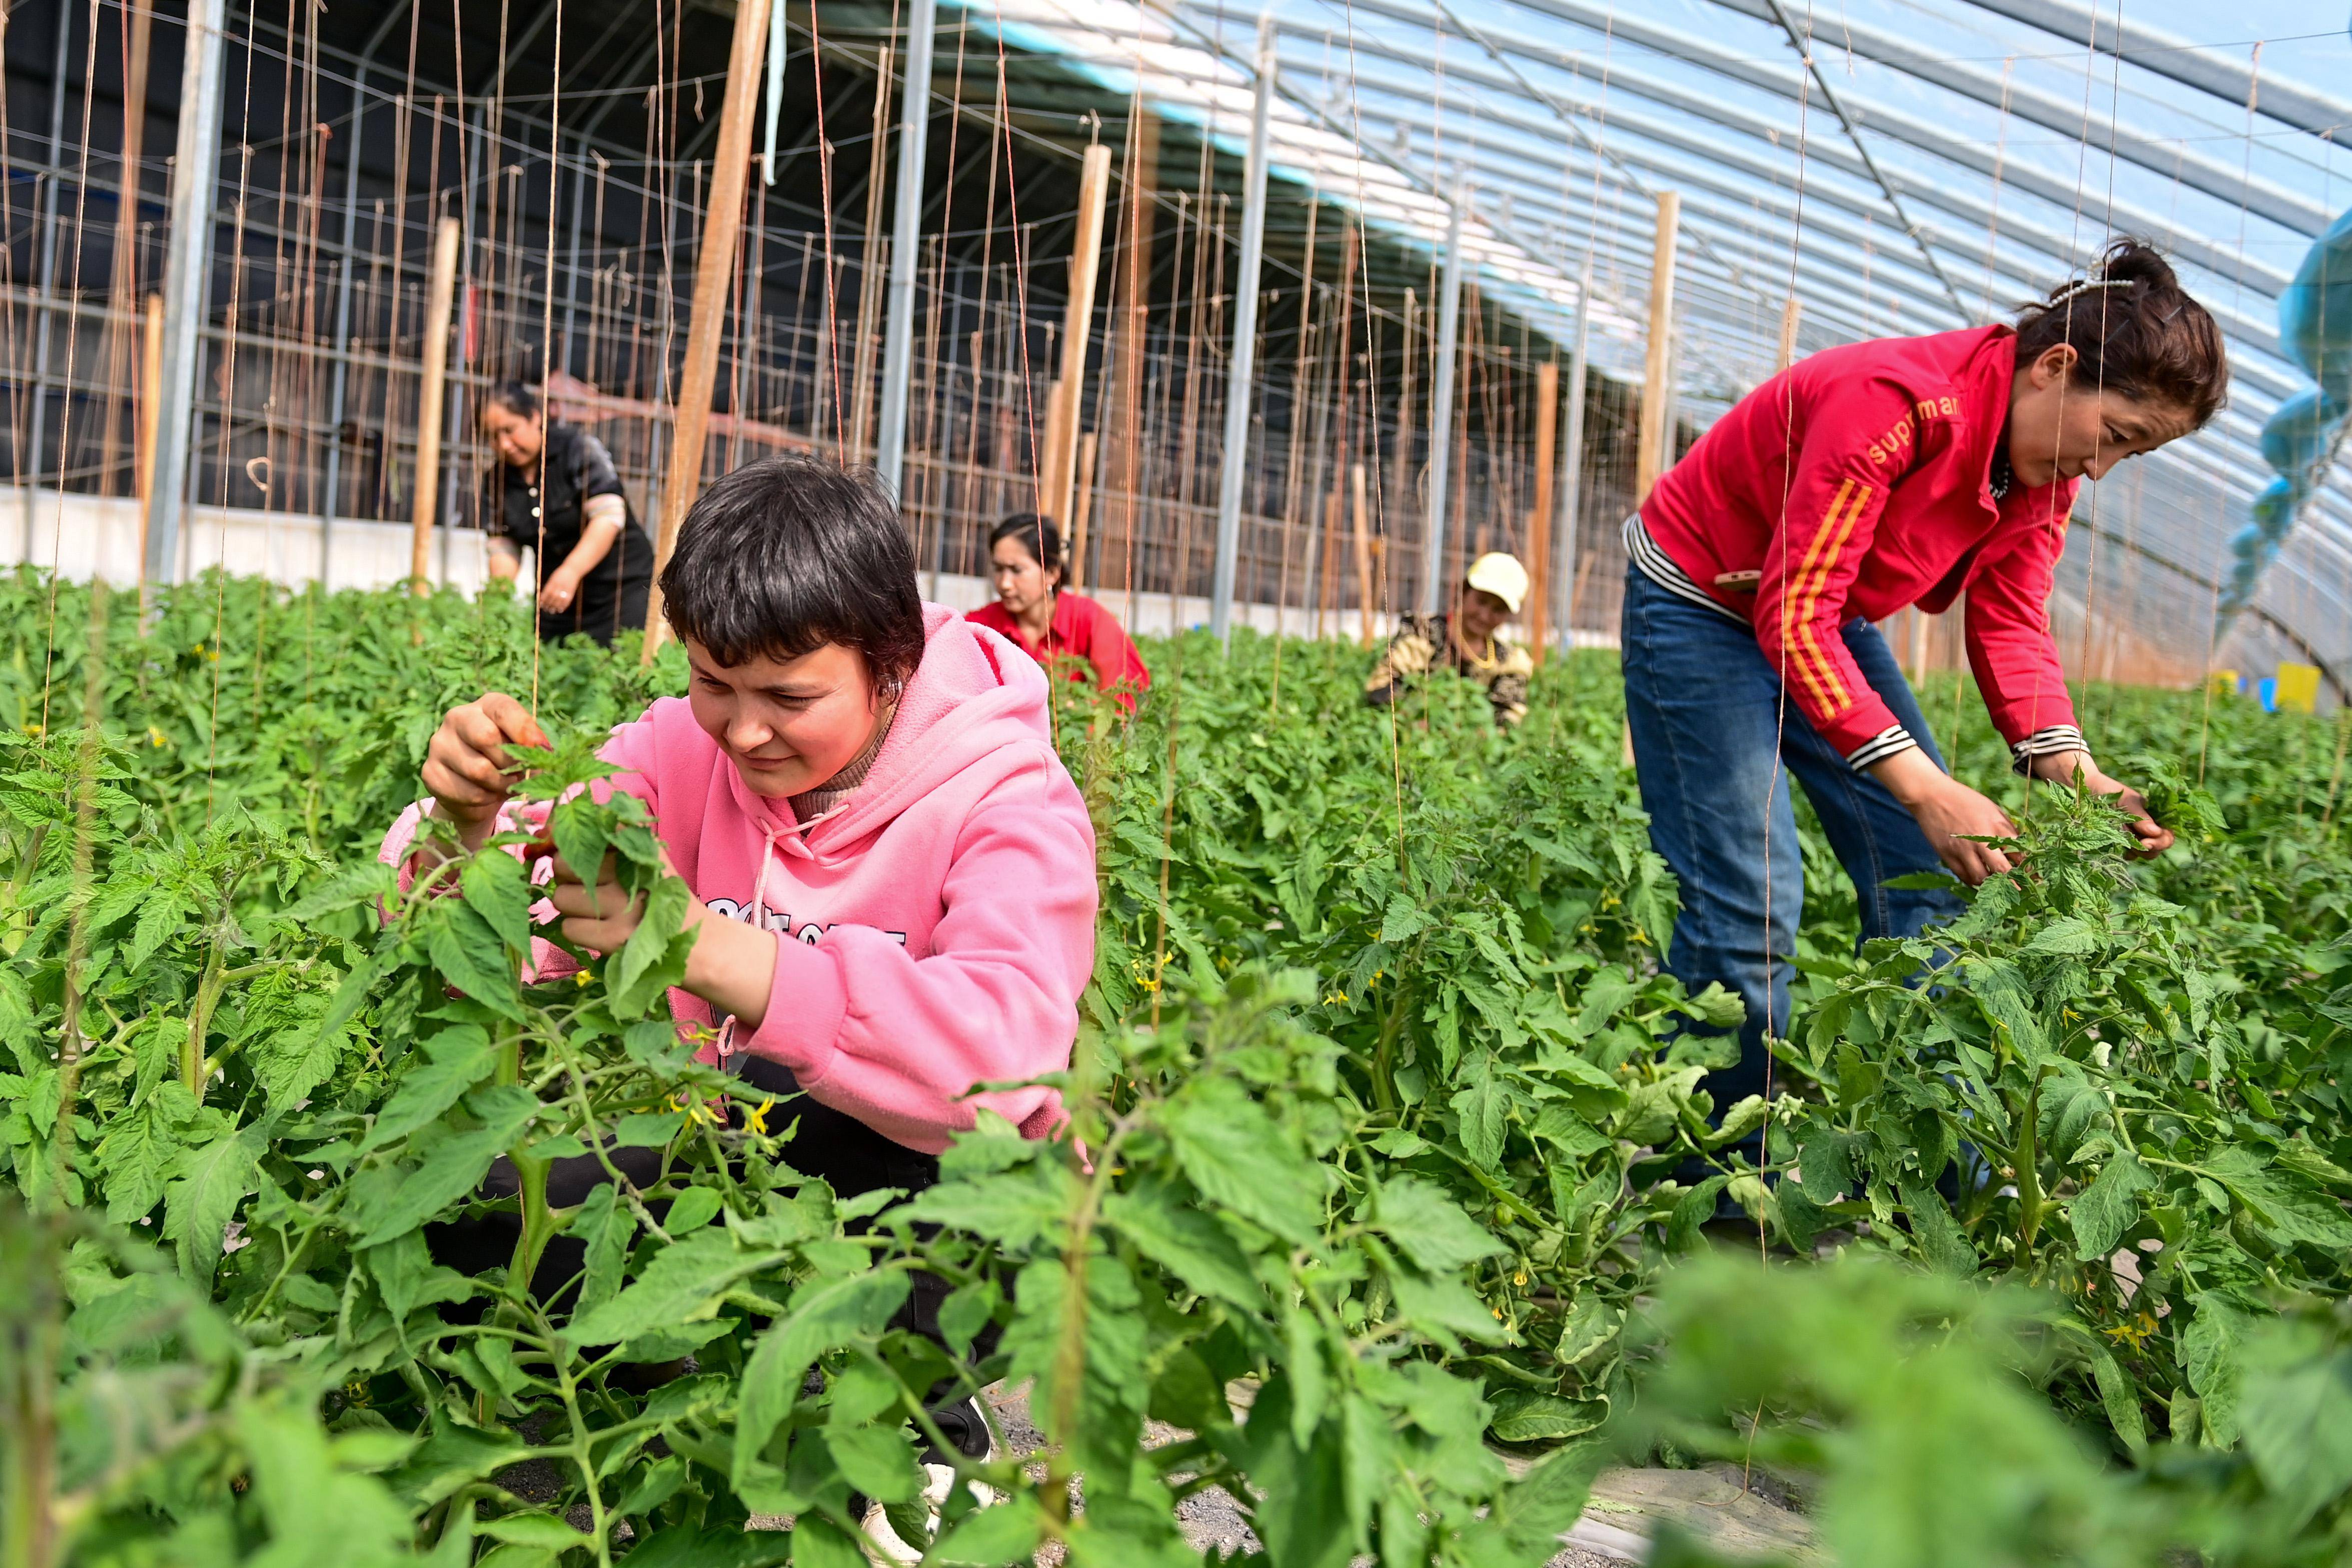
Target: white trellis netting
1907	165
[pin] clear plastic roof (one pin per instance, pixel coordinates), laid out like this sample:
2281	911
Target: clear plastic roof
1900	165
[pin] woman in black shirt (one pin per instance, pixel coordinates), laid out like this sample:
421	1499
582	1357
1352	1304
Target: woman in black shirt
554	488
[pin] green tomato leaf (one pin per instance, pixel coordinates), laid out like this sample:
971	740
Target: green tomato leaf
991	1538
825	1314
207	1185
139	1147
654	959
448	1064
2297	1420
532	1530
682	1285
1239	1159
1524	1416
875	1459
1186	1241
1430	1227
472	957
452	1170
2102	1212
498	888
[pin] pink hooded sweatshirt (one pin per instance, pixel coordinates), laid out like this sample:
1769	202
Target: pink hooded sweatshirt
939	924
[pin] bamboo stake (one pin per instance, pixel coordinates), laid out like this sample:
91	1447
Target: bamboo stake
1364	556
151	399
1082	507
1790	313
123	291
1049	452
869	274
714	274
1136	247
441	284
1538	618
1649	460
1399	501
1086	262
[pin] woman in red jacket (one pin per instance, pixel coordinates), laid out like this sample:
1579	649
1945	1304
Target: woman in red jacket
1863	480
1050	624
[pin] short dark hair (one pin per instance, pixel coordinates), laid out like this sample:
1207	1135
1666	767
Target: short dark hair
787	554
1042	539
2134	330
518	397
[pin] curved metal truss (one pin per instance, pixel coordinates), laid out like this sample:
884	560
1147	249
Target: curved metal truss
1899	167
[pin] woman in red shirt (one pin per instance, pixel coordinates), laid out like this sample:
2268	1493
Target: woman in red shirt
1050	626
1865	479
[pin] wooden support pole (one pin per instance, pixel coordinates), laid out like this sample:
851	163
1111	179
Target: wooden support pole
870	296
1918	646
123	293
1049	457
1398	503
1082	507
1790	313
1327	592
1539	612
440	290
714	278
1077	323
150	402
1127	429
1650	448
1364	605
134	147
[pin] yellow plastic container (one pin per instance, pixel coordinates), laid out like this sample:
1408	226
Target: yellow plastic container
2299	688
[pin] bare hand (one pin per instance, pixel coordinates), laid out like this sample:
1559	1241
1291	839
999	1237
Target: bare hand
556	594
601	918
1954	816
2154	837
1949	812
467	766
2060	767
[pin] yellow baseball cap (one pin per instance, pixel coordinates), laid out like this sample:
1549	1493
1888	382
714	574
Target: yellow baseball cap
1502	576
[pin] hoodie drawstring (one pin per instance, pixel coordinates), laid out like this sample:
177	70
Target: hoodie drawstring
758	923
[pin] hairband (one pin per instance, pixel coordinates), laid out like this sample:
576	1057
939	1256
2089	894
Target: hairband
2085	285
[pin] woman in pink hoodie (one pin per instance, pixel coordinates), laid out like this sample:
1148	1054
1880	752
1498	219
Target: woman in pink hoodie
892	873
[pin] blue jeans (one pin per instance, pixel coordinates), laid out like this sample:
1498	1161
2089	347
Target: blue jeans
1705	707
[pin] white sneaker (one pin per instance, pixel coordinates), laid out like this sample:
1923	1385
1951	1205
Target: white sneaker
882	1542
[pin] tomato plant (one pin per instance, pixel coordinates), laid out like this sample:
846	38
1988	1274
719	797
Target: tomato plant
1385	1128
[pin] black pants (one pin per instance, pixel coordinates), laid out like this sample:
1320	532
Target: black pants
845	1153
851	1158
848	1156
601	610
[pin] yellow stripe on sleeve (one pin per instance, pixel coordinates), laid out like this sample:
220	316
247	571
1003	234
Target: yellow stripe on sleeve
1813	580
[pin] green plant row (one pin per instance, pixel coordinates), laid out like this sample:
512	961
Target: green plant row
1386	1128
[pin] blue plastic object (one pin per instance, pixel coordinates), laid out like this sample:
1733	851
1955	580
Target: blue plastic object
2302	436
2267	690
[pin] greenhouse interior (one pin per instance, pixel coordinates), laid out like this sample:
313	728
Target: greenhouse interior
822	782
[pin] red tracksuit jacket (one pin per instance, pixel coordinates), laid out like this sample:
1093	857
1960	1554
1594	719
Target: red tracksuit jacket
1856	483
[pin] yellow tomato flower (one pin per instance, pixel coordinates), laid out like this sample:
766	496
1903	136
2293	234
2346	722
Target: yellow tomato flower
757	1118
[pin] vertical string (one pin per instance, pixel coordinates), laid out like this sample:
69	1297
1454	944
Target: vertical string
73	334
